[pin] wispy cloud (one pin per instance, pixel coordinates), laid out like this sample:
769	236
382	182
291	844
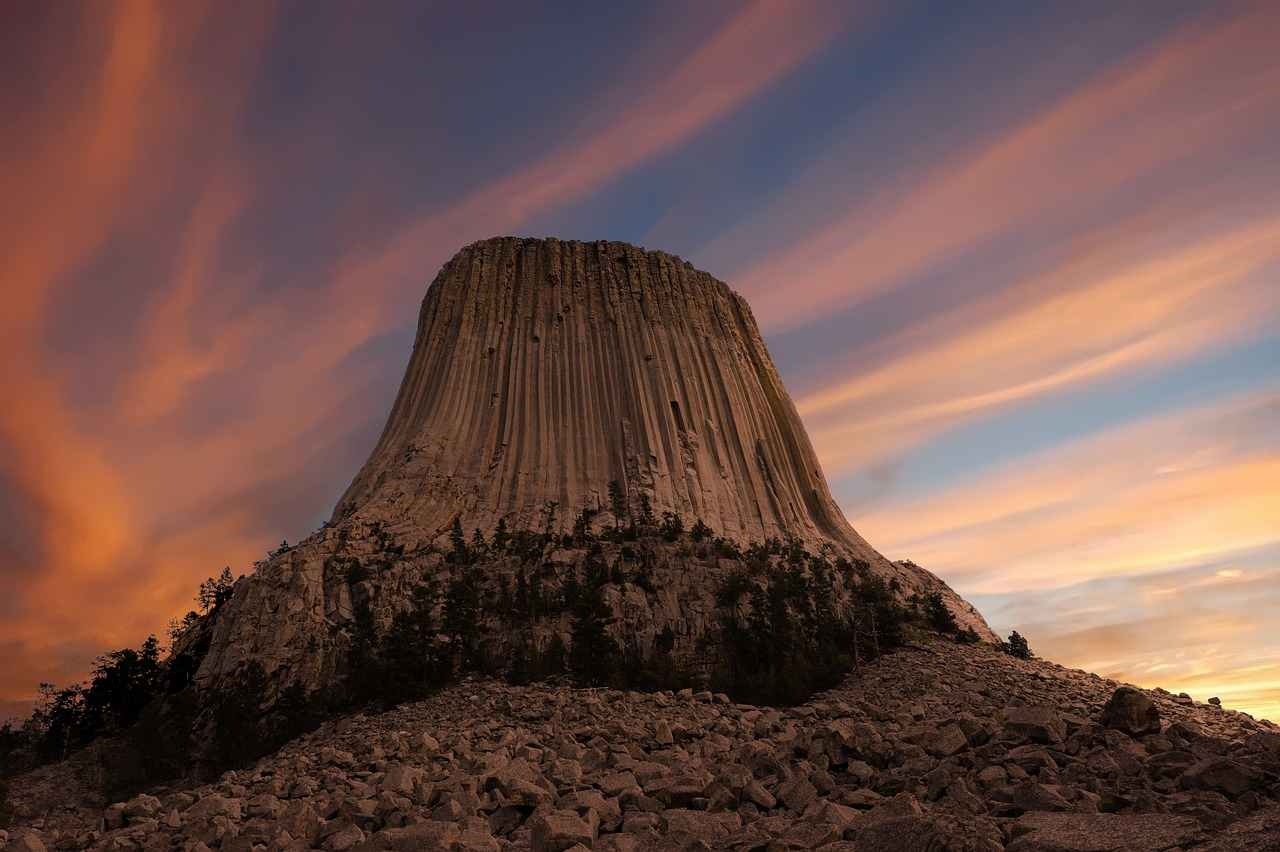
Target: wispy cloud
1206	89
750	53
1204	629
1120	503
1090	320
92	138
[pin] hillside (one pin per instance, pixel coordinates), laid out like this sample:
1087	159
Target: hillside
936	746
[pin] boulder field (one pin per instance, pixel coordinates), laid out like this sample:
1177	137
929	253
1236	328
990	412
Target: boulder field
937	746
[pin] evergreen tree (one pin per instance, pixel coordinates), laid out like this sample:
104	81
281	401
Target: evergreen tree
462	619
1017	646
594	656
551	660
646	510
214	593
522	593
6	809
617	504
458	543
239	735
938	616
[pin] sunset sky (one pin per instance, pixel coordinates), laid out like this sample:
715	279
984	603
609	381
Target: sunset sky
1018	264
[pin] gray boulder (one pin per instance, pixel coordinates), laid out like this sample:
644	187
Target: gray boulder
1131	712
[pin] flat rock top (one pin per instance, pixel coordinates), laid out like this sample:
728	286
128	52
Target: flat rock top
922	744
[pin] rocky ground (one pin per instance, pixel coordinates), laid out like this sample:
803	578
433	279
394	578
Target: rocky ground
935	747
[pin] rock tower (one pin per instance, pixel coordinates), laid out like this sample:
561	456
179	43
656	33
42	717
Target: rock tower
544	370
557	386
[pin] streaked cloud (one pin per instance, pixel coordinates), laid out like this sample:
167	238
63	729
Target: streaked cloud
1188	630
1108	505
1209	87
1096	317
90	157
750	53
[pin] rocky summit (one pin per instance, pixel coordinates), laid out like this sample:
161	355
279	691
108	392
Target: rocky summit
936	746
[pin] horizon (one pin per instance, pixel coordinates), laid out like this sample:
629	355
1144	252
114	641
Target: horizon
1016	267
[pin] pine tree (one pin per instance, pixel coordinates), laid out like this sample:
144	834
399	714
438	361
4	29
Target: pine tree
214	593
1017	646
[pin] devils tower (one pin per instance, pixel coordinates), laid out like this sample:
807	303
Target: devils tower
564	404
543	370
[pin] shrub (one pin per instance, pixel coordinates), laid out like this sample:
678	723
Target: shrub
1017	646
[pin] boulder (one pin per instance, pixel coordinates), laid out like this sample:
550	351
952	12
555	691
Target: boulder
1038	724
1221	774
945	741
934	832
1132	712
797	794
1258	832
1051	832
709	828
556	831
25	840
414	838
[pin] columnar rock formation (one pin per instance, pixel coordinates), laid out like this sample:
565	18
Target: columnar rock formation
563	387
543	370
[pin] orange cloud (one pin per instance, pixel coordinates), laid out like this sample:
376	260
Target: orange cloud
1202	630
67	192
137	500
1142	498
86	156
1205	89
170	361
1094	318
76	152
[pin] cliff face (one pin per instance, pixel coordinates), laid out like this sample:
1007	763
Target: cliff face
544	370
571	389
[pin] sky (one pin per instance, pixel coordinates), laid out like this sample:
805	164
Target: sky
1018	265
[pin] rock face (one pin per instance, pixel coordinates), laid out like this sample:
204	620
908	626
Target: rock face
544	370
564	388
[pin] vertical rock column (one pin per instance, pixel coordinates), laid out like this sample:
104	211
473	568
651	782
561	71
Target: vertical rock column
543	370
